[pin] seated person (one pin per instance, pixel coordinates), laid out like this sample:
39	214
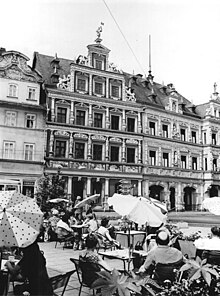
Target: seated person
212	243
91	223
53	220
90	261
162	253
63	229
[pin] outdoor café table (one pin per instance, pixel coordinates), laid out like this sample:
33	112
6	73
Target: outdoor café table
122	255
135	236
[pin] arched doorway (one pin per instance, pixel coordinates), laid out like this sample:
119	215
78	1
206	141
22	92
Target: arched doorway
188	199
172	199
155	191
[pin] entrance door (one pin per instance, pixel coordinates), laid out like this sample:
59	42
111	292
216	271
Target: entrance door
188	199
172	199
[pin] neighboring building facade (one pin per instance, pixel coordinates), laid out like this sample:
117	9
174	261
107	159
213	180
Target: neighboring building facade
104	125
22	121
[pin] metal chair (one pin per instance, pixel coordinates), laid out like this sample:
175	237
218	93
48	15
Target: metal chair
61	281
212	256
166	271
86	273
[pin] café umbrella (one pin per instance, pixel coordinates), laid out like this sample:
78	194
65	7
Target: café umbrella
20	219
87	201
137	209
58	200
212	204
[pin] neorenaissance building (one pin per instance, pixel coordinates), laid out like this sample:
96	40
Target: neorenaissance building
22	122
104	125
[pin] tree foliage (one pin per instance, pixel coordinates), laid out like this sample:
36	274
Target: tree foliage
49	187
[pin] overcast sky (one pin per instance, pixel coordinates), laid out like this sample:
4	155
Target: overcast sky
185	39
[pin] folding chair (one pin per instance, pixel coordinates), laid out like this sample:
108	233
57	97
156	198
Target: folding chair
60	281
86	273
103	243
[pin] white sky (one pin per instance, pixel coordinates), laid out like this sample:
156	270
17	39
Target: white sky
185	37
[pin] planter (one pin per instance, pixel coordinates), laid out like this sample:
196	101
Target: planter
187	248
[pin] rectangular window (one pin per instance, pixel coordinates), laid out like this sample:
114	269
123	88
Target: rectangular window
98	119
10	118
98	64
165	130
213	139
206	164
9	149
214	164
98	88
131	155
130	124
194	163
61	114
114	153
152	128
152	156
80	117
183	134
79	150
115	91
29	151
32	93
193	137
165	159
97	152
60	148
13	90
30	121
114	122
183	161
81	84
204	138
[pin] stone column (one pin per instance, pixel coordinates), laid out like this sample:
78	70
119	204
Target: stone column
71	146
107	149
145	188
139	126
105	201
51	143
69	186
139	188
72	117
107	119
123	151
107	88
72	80
89	150
90	115
139	152
123	91
88	186
52	109
123	121
90	84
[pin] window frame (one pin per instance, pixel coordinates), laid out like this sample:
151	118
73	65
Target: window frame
183	135
26	150
152	130
29	97
165	133
134	126
152	158
166	161
113	123
183	161
95	120
113	153
8	121
127	154
80	119
60	115
99	153
194	137
214	139
60	148
75	150
27	120
13	90
9	155
194	163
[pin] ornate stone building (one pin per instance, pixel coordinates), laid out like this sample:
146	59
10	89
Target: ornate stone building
22	133
104	125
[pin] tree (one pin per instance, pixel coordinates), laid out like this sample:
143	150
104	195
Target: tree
49	187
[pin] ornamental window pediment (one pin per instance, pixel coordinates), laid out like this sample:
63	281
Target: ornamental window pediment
115	110
81	105
131	142
61	134
62	102
80	136
115	140
98	138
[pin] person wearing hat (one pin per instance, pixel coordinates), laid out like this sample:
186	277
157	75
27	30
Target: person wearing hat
53	220
162	253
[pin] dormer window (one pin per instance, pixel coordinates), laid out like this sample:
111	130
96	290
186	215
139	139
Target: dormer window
98	64
13	90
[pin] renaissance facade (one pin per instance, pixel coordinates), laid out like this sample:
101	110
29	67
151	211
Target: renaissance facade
104	125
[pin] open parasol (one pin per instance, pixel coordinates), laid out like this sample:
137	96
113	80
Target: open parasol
58	200
20	219
212	204
87	201
137	209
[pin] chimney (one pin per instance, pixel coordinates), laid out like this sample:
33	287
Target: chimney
2	49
